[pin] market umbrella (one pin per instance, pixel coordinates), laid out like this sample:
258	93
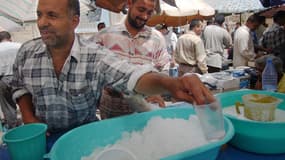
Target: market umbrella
235	6
185	11
112	5
268	13
119	5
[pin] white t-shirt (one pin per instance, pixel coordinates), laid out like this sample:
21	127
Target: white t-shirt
8	52
243	47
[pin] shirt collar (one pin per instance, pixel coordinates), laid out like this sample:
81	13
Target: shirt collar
145	32
246	27
191	32
75	50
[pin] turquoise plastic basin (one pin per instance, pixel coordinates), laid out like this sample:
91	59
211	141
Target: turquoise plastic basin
83	140
254	136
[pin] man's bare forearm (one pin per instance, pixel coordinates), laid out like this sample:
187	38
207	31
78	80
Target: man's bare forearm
27	110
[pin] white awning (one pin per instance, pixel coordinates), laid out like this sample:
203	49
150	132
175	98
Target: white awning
8	25
235	6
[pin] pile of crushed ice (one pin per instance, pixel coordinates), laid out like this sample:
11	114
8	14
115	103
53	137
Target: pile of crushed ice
160	138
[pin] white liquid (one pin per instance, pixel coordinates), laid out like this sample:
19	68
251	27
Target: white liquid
279	114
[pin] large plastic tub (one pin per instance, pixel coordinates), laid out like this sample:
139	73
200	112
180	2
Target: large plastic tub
255	136
83	140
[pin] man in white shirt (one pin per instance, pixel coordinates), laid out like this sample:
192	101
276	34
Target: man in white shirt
190	53
243	42
8	51
216	38
170	38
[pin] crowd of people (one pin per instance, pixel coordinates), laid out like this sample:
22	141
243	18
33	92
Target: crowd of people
205	49
62	78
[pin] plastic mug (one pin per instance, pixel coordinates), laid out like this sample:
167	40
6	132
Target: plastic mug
258	107
211	119
27	142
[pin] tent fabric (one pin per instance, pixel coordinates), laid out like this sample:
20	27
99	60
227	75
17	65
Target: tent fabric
235	6
15	12
18	10
182	14
8	25
25	10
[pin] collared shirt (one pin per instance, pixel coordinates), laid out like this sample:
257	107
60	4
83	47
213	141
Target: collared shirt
70	100
216	39
190	50
8	52
147	47
243	47
274	37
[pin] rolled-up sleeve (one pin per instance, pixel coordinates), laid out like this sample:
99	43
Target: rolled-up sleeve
18	88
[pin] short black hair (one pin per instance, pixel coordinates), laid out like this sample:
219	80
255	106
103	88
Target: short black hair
194	23
278	16
4	35
74	7
100	24
219	19
254	19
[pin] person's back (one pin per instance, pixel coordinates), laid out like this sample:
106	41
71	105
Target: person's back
190	53
8	52
216	38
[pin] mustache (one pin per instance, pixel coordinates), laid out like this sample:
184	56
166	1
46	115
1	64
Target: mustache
45	29
141	19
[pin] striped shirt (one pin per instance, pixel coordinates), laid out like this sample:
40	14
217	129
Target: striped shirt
70	100
146	47
274	37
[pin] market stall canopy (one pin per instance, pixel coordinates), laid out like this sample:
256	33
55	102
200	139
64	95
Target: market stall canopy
268	13
8	25
21	11
185	11
235	6
111	5
120	5
18	10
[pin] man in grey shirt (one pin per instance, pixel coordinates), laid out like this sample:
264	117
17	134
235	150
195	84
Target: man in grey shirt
216	38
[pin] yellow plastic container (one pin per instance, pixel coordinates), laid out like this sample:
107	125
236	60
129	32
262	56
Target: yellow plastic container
259	107
255	136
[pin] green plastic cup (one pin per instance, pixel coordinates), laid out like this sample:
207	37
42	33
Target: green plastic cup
27	142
